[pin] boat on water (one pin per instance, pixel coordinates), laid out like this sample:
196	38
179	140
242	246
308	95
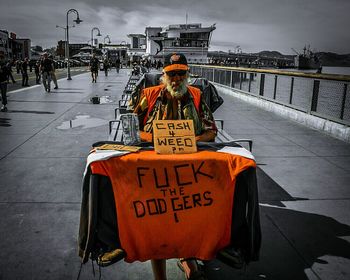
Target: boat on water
307	60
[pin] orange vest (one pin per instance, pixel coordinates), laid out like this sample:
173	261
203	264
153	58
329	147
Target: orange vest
152	93
172	206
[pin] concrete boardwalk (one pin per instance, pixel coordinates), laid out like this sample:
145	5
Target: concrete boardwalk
303	176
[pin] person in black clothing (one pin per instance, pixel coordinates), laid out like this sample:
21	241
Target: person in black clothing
37	72
24	71
46	68
94	68
9	67
117	64
4	75
106	66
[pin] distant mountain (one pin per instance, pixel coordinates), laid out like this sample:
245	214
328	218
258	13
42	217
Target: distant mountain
270	54
274	54
326	58
333	59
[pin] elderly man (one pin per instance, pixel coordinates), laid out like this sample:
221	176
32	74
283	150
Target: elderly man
174	99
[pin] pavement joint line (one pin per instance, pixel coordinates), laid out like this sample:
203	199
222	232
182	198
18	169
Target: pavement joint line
49	157
262	202
40	202
48	101
292	245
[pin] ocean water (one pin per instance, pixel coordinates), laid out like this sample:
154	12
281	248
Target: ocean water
325	70
336	70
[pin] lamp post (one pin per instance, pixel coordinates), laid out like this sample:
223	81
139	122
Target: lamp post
107	37
77	21
65	37
92	37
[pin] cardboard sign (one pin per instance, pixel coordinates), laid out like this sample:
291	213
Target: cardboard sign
174	137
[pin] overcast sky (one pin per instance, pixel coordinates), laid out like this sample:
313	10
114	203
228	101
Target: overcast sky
254	25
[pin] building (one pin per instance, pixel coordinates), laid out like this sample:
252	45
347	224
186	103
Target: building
116	51
73	48
137	49
193	40
4	43
14	48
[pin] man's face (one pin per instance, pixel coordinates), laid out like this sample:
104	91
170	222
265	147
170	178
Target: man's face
176	79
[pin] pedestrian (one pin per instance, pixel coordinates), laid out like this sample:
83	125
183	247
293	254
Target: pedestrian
37	72
18	65
53	73
117	64
24	71
31	63
4	76
94	68
106	66
46	68
9	67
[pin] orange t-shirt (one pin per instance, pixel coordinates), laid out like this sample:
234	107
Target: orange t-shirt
172	206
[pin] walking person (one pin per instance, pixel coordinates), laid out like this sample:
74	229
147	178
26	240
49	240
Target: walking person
46	68
94	68
37	72
18	66
106	66
4	75
117	64
53	73
9	67
24	71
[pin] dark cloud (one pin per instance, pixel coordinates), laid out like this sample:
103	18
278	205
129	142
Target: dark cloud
253	24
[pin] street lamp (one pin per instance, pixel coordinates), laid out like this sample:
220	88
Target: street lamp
77	21
92	37
65	37
107	37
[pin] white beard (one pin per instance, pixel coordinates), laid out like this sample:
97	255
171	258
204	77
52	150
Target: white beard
179	92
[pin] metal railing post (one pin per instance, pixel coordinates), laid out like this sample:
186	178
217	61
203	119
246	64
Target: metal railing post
213	75
240	79
231	79
275	88
315	92
250	81
262	84
291	91
343	101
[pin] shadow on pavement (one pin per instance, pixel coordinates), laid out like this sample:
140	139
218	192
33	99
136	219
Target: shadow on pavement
293	242
30	112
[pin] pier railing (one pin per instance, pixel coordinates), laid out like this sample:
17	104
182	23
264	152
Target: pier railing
323	95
